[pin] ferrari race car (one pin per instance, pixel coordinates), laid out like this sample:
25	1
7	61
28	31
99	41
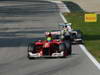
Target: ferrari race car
76	36
45	48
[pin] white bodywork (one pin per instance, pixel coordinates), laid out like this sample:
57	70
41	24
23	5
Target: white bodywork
53	33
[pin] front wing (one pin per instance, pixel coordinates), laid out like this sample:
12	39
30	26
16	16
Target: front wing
34	55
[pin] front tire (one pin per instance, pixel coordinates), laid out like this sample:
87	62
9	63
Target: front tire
29	57
31	47
62	47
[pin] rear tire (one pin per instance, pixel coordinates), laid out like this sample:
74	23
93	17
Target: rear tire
80	36
62	47
68	47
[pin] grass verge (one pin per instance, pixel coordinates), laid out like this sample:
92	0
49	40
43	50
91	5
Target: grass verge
91	31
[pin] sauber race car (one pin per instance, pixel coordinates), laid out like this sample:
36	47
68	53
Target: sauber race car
49	48
75	36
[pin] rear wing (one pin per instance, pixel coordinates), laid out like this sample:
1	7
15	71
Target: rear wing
53	33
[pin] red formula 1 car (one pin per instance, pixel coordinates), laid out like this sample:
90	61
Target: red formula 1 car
53	48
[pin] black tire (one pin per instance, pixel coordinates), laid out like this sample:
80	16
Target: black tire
82	41
80	36
72	36
28	56
62	47
67	37
68	47
31	47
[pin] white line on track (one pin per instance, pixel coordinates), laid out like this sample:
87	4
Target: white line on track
97	64
63	17
62	6
90	56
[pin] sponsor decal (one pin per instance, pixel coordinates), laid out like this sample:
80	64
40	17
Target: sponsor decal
91	17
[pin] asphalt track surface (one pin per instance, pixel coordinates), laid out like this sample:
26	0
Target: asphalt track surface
22	21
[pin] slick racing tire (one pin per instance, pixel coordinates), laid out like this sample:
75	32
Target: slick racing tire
29	57
68	46
62	47
80	36
30	49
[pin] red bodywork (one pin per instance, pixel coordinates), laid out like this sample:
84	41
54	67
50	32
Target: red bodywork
47	44
47	48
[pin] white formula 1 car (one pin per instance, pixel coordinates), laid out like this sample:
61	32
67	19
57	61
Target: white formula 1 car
76	36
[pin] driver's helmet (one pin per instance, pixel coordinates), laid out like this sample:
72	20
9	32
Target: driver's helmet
49	39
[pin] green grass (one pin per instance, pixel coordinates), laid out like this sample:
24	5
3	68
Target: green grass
91	31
